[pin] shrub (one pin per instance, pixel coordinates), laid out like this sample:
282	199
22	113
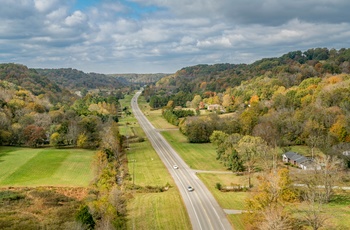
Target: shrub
218	186
10	196
84	216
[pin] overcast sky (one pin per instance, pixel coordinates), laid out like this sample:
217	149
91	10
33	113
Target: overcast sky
151	36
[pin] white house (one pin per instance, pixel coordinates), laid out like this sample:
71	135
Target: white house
215	107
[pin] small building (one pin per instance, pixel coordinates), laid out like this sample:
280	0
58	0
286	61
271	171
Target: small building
216	107
298	160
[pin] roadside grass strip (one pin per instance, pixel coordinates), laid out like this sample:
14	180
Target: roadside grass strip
227	200
197	156
158	211
147	210
154	116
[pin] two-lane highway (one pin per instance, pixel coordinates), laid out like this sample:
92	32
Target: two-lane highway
204	211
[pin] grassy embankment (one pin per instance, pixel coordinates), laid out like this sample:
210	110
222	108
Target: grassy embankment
150	210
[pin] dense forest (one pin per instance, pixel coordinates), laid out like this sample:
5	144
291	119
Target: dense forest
300	98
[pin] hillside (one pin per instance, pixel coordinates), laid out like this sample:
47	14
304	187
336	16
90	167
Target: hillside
293	67
76	80
32	81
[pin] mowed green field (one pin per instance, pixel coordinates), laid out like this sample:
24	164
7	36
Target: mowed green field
45	167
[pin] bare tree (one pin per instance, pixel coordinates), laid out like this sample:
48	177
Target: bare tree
327	173
313	214
252	150
267	205
276	219
73	132
42	120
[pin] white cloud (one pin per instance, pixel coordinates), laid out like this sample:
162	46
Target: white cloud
165	35
77	18
221	42
57	14
44	5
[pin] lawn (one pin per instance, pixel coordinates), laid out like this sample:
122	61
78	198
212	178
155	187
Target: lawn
45	167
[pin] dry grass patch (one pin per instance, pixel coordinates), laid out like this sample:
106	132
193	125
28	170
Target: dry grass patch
40	208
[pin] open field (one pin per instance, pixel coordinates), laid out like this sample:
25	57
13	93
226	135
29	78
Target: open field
45	167
336	212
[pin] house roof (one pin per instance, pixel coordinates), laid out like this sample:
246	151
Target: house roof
296	157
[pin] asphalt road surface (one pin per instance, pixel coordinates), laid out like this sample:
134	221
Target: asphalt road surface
204	212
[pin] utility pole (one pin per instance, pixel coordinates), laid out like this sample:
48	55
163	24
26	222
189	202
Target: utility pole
127	136
133	173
